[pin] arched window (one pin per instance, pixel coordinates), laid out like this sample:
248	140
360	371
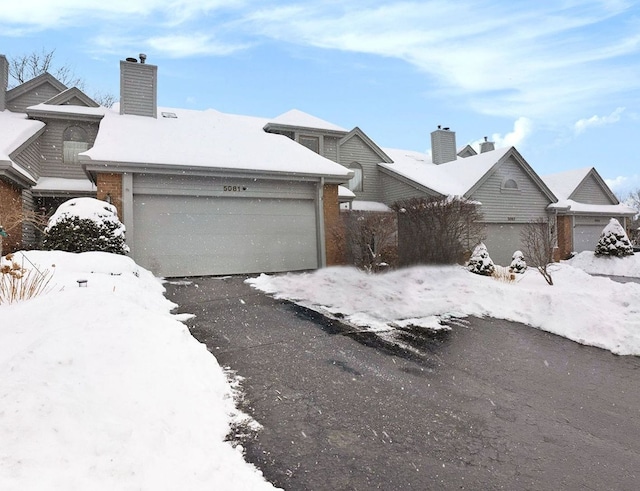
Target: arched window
355	183
510	185
74	141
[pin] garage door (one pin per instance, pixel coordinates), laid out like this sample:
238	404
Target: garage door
503	239
210	235
585	237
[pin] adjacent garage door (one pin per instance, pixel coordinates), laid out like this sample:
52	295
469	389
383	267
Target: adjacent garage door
503	239
586	232
183	235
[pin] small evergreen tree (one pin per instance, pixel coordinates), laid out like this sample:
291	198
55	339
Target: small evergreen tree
480	262
85	224
614	241
518	264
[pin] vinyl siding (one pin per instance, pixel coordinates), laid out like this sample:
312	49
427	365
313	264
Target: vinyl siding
394	190
138	89
51	145
526	203
590	192
330	148
37	96
29	159
29	236
356	150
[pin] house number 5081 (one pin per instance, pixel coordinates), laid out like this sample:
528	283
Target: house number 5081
233	189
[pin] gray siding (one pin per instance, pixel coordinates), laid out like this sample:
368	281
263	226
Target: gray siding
4	81
29	159
590	192
51	143
526	203
394	190
330	148
37	96
356	150
138	89
29	236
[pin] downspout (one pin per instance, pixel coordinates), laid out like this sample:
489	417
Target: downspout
322	253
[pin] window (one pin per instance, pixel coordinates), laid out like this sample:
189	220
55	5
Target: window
311	142
75	141
509	185
355	183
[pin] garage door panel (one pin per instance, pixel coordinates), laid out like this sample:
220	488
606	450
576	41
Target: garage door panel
585	237
184	236
503	239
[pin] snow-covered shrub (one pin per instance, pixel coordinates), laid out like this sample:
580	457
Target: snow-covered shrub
18	282
85	224
518	264
480	262
614	241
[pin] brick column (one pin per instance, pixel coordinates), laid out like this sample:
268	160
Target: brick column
565	237
334	233
11	215
111	184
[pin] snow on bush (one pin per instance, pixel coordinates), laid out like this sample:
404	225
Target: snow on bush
480	262
83	225
614	241
518	264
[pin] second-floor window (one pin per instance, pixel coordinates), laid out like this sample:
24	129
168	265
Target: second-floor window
311	142
355	183
74	141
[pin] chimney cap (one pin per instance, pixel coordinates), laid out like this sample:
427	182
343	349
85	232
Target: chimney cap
131	60
143	57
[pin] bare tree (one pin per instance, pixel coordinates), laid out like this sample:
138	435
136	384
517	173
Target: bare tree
539	241
633	200
437	230
11	222
369	239
28	66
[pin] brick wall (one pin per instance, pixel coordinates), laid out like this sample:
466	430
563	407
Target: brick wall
11	212
334	237
111	184
565	238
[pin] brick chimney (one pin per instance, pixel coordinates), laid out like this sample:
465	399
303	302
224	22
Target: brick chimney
138	87
487	146
4	81
443	145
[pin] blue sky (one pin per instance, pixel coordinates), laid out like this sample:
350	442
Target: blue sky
560	80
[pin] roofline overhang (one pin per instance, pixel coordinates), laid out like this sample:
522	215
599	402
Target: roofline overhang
287	127
8	170
93	168
42	114
410	182
569	212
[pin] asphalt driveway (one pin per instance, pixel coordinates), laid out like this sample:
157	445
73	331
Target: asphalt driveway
494	405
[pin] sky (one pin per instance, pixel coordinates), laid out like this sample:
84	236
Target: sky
556	79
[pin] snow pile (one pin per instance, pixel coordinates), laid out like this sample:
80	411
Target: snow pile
628	266
614	241
590	310
102	388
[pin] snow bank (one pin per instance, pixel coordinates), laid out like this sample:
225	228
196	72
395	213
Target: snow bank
603	265
102	388
590	310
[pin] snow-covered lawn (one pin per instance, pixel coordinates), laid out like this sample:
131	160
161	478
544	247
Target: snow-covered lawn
590	310
102	388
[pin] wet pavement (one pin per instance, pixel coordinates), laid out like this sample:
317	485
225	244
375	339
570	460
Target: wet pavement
493	405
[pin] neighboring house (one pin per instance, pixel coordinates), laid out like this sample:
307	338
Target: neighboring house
584	207
201	192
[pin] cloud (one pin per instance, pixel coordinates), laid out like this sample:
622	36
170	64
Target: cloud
522	129
185	45
583	124
623	185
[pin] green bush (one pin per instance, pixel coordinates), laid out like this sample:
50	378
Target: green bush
74	234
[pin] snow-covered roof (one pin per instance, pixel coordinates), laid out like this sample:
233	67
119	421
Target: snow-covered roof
345	192
15	129
575	207
563	184
451	178
295	117
208	139
68	109
359	205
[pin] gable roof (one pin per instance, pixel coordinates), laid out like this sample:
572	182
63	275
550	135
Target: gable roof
466	151
67	111
568	183
300	119
460	177
368	141
204	142
16	132
34	83
64	98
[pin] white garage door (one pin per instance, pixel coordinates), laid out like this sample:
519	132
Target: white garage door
585	237
503	239
208	235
